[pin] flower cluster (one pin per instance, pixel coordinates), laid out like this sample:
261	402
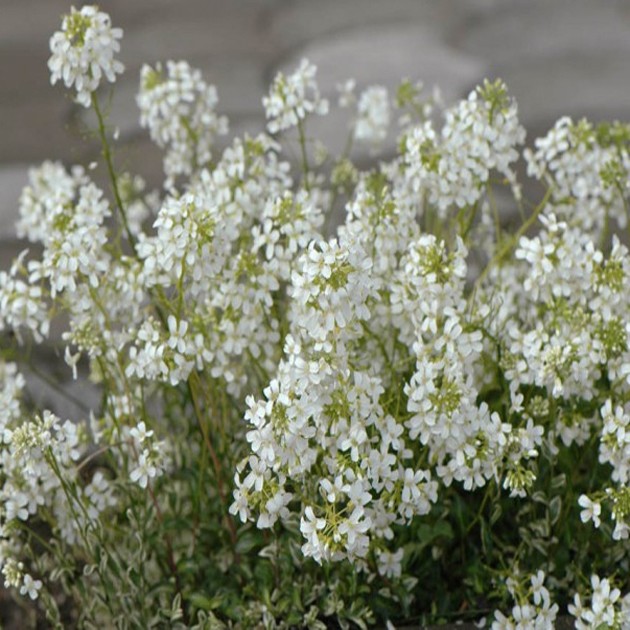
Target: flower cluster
534	610
587	170
38	460
179	109
292	98
480	135
607	608
83	52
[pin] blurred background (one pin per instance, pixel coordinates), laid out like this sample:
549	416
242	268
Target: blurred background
557	57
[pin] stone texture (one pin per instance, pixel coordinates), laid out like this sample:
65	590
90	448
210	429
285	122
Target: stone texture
305	21
566	56
25	61
51	386
579	84
9	250
32	131
30	22
218	31
12	179
514	31
384	55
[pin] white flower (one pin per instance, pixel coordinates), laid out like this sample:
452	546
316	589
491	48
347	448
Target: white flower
347	97
30	586
572	160
144	471
591	512
604	607
99	494
453	168
83	52
72	360
354	528
256	477
389	564
139	433
16	506
22	304
276	507
576	608
240	505
501	622
310	525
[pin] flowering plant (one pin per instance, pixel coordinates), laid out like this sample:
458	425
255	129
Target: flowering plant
327	393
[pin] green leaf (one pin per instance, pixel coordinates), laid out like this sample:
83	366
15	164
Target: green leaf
559	482
555	508
247	542
203	602
497	512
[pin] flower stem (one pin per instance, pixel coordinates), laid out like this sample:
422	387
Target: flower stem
305	166
511	243
107	155
215	461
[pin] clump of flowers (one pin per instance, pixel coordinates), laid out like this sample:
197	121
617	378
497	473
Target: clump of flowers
607	608
327	394
83	52
533	611
179	109
292	98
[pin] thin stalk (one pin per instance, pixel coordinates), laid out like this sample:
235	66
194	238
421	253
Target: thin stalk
305	166
215	461
72	498
344	156
624	201
495	214
107	155
605	231
511	243
170	556
469	224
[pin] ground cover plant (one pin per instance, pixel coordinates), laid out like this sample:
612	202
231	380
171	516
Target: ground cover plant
331	395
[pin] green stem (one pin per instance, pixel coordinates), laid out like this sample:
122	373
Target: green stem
511	243
625	205
606	229
72	498
495	214
469	224
107	155
331	209
477	518
215	462
305	166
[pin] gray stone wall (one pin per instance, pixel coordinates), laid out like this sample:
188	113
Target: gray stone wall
557	56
